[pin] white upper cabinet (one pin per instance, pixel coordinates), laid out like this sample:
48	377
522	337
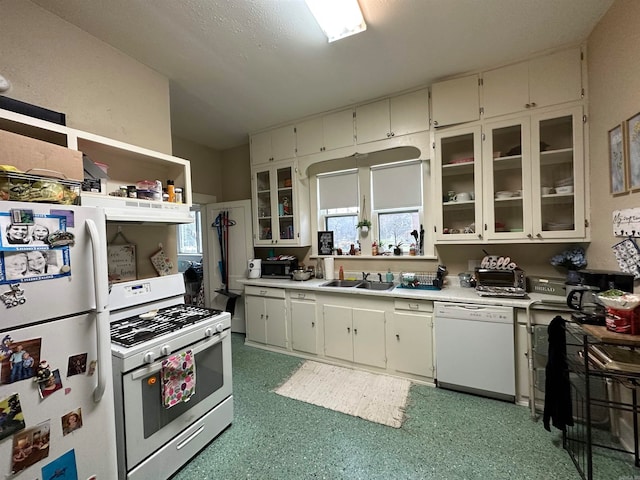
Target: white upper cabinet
400	115
273	145
540	82
455	101
331	131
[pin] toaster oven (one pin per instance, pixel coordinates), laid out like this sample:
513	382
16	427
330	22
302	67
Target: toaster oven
487	277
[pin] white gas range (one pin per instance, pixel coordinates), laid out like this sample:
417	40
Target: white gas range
154	441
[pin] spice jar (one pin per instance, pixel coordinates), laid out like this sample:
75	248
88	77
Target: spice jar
178	195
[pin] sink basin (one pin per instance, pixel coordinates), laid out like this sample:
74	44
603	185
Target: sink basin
342	283
376	285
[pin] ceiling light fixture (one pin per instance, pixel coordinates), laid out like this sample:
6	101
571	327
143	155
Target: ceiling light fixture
337	18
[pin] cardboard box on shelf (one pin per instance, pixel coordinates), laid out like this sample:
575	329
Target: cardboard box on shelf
35	156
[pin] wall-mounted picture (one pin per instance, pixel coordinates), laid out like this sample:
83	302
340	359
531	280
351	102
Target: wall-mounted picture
325	243
617	173
633	151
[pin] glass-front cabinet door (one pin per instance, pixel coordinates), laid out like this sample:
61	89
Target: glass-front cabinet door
275	206
458	189
507	180
558	174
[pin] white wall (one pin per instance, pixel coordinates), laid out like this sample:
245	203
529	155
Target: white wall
55	65
614	96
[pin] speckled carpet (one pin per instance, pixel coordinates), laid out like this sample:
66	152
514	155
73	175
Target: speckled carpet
377	398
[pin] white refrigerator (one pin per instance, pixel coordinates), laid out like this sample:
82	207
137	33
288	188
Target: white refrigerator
56	391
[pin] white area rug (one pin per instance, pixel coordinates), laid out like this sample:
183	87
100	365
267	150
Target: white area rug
377	398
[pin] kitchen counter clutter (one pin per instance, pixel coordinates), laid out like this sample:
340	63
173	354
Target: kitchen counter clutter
385	331
447	294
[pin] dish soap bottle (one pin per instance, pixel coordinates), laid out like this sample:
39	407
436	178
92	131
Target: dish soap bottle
389	276
341	273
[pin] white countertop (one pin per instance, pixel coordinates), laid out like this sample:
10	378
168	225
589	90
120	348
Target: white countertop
447	294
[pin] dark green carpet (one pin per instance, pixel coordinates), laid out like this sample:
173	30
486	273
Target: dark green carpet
446	435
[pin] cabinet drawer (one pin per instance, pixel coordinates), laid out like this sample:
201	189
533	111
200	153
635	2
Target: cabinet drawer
300	295
264	291
413	306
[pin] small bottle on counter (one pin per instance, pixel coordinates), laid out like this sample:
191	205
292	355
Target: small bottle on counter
178	195
374	249
341	273
389	276
352	250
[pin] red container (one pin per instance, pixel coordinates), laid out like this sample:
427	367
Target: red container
623	321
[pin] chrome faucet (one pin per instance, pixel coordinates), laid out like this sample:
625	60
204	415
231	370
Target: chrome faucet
379	277
365	276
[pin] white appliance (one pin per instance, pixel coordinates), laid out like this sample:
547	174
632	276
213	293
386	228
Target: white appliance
255	268
237	256
475	349
58	316
154	441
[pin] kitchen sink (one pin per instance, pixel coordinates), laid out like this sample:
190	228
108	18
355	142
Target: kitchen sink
342	283
375	285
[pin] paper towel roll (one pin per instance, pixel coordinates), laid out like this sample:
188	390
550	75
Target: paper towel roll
329	273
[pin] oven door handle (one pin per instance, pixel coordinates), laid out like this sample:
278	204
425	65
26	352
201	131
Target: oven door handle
203	345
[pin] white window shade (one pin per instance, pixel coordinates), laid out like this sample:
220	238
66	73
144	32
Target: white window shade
397	186
338	190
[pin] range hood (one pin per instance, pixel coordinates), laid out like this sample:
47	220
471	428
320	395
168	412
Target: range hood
122	209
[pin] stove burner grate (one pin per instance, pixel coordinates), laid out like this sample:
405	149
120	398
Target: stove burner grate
135	330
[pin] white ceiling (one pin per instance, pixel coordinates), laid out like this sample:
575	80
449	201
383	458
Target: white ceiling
237	66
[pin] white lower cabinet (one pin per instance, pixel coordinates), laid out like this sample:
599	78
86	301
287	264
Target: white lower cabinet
355	334
266	316
411	350
304	324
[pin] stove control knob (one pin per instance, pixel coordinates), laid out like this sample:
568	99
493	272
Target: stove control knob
165	350
208	332
219	328
149	357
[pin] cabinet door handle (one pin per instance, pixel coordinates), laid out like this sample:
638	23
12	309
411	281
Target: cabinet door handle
262	315
263	292
435	123
414	306
348	329
529	235
393	134
397	337
313	324
267	316
355	331
539	235
527	105
533	104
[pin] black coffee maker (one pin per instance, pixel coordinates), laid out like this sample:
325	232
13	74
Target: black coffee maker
582	295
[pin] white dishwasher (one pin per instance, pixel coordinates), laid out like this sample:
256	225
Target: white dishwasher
475	349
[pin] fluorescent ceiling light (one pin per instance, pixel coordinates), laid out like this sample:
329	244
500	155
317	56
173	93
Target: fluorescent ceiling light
337	18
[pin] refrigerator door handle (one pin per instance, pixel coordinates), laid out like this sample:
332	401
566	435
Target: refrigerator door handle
103	340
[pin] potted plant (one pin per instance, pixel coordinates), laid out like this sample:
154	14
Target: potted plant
364	225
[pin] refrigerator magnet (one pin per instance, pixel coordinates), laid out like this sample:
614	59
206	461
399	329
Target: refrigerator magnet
11	416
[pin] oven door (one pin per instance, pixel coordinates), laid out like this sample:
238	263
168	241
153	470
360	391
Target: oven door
148	424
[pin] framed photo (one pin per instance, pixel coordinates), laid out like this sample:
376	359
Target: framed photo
633	151
617	165
325	243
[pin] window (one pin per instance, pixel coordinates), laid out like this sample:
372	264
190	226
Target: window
338	205
189	235
396	191
394	206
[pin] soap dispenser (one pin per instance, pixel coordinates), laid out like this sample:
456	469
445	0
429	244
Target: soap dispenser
341	273
389	276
